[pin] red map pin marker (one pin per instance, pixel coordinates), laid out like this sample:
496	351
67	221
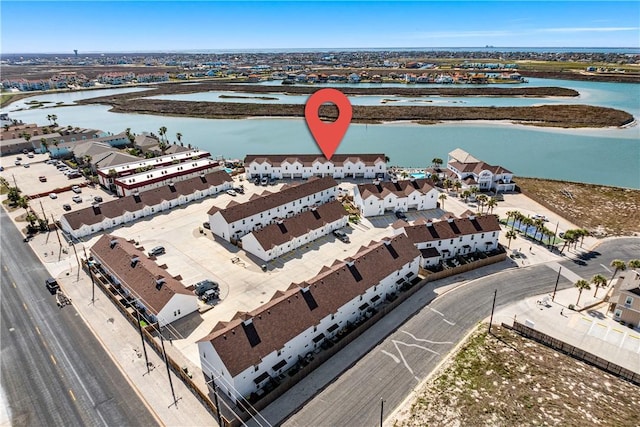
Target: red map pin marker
328	135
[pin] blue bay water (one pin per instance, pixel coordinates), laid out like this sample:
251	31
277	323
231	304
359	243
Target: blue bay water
604	156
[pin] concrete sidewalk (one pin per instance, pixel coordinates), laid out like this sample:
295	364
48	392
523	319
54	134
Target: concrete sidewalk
122	341
590	329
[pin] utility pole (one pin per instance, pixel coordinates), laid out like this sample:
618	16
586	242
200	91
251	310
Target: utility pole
381	411
77	260
144	349
495	293
555	233
166	362
93	282
57	232
44	215
556	287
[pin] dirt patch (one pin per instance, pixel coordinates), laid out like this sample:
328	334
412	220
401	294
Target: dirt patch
600	209
507	380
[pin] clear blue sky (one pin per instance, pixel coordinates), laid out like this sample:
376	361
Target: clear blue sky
127	26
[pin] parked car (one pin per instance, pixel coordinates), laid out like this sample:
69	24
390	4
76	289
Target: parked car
341	235
232	193
210	295
273	181
18	158
30	156
542	217
205	285
53	195
26	165
265	181
206	225
42	178
97	199
158	250
77	199
400	215
76	189
17	162
66	207
256	181
52	285
239	190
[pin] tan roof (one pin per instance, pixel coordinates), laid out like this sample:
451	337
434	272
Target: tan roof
309	159
270	200
115	208
400	188
289	313
449	230
289	228
140	280
462	156
478	167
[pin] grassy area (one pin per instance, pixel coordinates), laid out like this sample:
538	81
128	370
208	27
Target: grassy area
507	380
600	209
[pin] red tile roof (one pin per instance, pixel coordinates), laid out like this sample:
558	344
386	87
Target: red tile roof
141	279
299	225
268	200
116	208
448	230
289	313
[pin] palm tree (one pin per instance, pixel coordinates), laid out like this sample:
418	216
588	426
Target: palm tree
619	265
527	222
634	263
179	138
538	224
44	144
13	194
54	118
465	195
491	203
162	131
457	185
437	162
447	184
387	159
443	197
482	199
599	281
510	235
49	117
23	203
581	285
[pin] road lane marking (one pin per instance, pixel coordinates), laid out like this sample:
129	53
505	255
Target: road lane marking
425	340
14	284
5	268
395	359
53	359
38	330
436	311
449	322
25	306
72	395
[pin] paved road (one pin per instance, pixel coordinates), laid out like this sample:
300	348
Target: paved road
394	367
54	371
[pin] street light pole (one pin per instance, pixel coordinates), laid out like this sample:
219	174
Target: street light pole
381	411
556	287
144	349
495	293
166	362
93	282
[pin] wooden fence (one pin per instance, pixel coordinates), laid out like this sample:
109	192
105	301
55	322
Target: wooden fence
431	276
575	352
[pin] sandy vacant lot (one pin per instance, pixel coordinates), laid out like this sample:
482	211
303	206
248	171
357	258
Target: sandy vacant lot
507	380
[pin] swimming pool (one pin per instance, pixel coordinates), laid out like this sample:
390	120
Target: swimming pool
418	175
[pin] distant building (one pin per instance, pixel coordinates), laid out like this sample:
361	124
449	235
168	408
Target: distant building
254	348
296	166
472	172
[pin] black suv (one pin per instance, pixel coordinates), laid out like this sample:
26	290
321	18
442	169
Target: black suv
201	287
52	285
400	215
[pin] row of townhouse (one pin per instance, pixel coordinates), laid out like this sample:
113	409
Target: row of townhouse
238	219
116	78
57	143
105	216
625	300
246	353
161	298
380	197
445	239
472	172
294	166
288	234
158	177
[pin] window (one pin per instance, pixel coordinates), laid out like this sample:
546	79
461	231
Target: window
482	236
628	301
256	368
472	237
439	242
451	242
618	313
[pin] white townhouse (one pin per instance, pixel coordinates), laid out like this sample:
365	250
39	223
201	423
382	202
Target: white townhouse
111	214
292	166
472	172
288	234
381	197
238	219
160	297
243	355
444	239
